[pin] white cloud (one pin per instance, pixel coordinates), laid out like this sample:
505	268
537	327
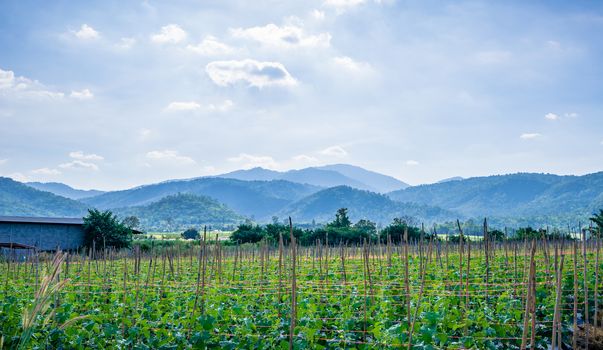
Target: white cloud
20	177
182	106
3	161
172	33
493	57
82	156
85	94
343	4
79	164
144	134
318	15
211	46
225	106
254	73
21	87
551	116
529	136
171	157
252	161
553	44
349	64
86	32
303	158
126	43
412	162
334	151
46	171
571	115
287	36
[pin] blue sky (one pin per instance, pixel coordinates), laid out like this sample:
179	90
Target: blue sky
112	94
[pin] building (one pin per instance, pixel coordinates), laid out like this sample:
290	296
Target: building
41	233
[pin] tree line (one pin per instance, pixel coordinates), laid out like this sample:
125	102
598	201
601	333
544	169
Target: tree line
104	229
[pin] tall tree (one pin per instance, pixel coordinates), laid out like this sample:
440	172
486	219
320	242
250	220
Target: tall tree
103	229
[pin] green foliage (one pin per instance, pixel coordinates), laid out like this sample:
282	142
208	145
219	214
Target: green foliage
191	233
248	233
530	233
496	235
340	230
131	221
396	231
103	229
597	219
341	219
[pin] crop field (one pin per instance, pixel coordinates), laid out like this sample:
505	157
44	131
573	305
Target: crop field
420	295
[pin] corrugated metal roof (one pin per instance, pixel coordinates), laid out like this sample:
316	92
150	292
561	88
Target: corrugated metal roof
42	220
13	245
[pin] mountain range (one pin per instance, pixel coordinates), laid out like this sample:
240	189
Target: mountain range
325	176
63	190
314	194
18	199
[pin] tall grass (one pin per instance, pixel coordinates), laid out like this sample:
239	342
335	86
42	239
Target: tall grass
40	312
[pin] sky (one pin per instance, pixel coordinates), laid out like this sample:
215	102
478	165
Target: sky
113	94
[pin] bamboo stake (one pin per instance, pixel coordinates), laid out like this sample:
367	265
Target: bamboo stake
596	316
293	286
528	299
556	314
406	282
586	322
574	337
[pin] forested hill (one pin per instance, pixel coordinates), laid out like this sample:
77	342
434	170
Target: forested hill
181	211
520	195
321	206
249	198
63	190
21	200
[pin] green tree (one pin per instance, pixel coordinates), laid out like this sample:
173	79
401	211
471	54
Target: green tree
131	221
248	233
366	227
396	231
191	233
496	235
597	219
341	219
103	229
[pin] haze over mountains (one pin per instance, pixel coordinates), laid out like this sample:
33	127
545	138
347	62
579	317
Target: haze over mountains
314	194
326	176
63	190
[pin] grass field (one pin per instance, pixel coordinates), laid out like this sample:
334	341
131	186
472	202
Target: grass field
479	297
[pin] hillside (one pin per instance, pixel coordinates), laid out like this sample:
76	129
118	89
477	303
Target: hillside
321	207
379	182
21	200
325	176
63	190
258	199
523	195
181	211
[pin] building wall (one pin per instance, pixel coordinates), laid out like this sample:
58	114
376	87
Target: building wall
43	236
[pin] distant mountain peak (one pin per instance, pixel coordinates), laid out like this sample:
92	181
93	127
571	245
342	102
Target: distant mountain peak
325	176
61	189
454	178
